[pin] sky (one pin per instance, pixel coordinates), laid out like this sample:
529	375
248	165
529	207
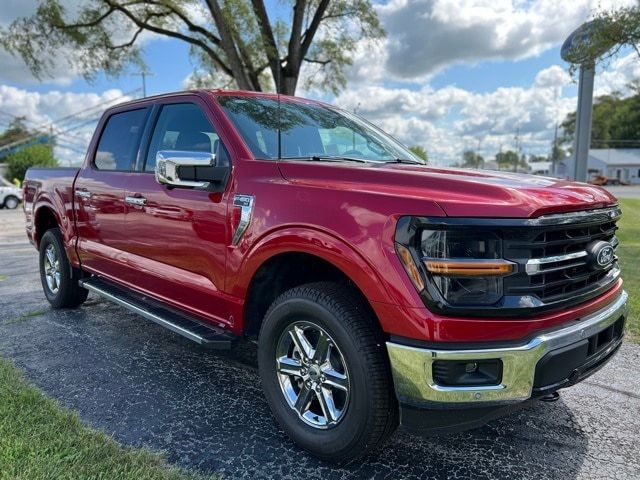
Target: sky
450	75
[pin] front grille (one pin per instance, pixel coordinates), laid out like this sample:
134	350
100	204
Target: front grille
554	263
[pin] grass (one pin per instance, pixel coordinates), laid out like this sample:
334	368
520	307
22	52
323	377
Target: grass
41	440
23	318
629	253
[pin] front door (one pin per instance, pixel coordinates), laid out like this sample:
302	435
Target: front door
99	193
178	236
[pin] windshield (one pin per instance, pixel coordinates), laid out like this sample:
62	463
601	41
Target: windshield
309	130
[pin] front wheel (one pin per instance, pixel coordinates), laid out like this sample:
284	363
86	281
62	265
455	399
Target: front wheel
60	287
325	372
11	202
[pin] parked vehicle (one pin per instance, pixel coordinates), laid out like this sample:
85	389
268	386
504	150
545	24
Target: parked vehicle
379	290
10	195
601	180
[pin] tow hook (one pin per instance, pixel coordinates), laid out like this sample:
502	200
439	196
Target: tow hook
550	397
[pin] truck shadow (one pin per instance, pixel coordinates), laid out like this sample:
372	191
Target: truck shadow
205	410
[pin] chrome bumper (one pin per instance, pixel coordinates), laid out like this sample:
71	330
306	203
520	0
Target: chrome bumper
412	367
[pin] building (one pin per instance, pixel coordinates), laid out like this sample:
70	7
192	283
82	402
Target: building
620	163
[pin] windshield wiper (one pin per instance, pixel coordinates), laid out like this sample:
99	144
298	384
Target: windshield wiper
335	158
404	160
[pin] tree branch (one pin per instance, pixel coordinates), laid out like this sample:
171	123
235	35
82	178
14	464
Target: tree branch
228	45
129	43
320	62
294	58
170	33
313	27
268	40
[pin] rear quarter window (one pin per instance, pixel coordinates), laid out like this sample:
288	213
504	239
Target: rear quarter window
120	139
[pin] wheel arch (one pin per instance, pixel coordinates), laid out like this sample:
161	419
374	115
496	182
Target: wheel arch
298	256
45	218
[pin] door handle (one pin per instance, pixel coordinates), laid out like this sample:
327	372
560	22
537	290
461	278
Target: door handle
137	201
83	194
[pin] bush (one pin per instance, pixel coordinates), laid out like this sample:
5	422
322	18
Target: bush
34	156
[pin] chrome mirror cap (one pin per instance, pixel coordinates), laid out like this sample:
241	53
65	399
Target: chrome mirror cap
169	162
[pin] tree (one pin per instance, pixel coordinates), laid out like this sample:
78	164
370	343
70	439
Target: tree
16	130
508	160
33	156
537	158
615	122
472	160
610	31
231	41
419	152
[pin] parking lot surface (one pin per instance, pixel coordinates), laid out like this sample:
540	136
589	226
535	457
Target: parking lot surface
149	387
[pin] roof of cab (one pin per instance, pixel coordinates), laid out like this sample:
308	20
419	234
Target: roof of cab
218	93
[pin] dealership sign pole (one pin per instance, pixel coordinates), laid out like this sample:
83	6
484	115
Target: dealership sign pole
574	50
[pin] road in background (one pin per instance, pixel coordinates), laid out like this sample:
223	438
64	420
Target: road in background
149	387
627	191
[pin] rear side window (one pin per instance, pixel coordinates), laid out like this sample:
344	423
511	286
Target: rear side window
120	139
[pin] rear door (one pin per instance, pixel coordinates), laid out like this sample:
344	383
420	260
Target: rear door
99	192
178	236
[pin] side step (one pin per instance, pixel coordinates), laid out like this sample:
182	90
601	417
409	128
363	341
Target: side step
175	321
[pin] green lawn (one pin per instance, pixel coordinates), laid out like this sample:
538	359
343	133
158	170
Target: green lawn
41	440
629	253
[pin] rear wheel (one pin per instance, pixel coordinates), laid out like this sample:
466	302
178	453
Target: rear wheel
325	372
11	202
60	287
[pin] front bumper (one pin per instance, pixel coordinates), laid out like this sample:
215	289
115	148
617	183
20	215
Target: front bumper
531	369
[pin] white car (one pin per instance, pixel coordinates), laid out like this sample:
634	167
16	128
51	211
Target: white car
10	195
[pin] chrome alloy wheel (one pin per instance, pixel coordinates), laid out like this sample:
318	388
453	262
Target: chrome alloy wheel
313	374
52	269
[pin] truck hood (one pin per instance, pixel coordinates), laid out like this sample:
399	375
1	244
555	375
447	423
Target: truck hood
458	192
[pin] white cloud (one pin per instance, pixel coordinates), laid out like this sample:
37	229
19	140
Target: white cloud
47	112
426	36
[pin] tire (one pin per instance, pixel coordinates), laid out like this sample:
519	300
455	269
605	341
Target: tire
11	202
60	288
367	414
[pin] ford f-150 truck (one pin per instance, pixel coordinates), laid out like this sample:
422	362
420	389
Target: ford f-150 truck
379	290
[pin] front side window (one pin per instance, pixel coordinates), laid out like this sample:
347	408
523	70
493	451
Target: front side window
118	145
308	130
184	126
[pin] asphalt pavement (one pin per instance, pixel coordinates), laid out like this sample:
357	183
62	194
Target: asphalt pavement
625	191
149	387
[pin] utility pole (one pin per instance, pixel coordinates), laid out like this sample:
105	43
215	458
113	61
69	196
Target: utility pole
144	73
517	138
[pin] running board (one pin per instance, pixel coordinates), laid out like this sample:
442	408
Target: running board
169	318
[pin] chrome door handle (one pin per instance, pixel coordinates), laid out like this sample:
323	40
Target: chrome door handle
137	201
83	194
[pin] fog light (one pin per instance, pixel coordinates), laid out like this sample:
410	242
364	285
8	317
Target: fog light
465	373
471	367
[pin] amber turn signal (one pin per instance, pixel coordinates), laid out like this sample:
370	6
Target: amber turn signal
469	268
410	266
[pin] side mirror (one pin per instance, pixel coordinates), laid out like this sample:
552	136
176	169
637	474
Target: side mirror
179	168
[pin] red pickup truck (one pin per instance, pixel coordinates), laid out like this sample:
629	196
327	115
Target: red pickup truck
379	290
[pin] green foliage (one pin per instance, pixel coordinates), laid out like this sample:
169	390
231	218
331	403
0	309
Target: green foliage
610	31
538	158
507	160
615	122
14	132
34	156
232	42
419	152
42	440
471	159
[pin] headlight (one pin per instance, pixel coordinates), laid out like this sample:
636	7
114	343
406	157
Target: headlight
458	266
